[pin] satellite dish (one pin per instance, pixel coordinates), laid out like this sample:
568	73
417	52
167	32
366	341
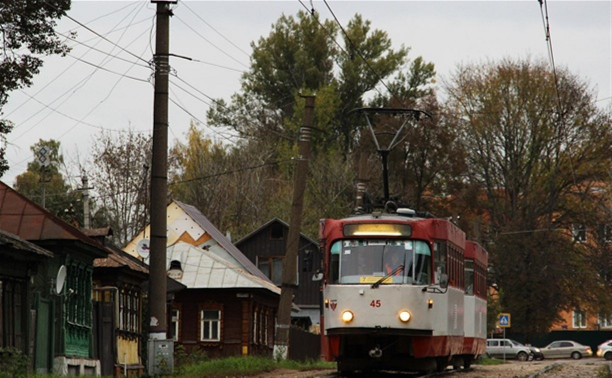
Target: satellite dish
60	279
143	248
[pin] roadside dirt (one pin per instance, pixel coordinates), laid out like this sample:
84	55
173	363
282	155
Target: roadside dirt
585	368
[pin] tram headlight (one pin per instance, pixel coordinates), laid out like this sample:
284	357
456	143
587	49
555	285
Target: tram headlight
347	316
404	316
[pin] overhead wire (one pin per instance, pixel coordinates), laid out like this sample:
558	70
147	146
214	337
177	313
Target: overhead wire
212	44
367	63
68	68
98	34
546	24
184	3
71	90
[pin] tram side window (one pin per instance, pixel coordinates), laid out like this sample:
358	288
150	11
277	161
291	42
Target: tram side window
469	276
422	270
439	260
334	263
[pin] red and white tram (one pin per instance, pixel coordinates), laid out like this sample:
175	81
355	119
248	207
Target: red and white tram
401	292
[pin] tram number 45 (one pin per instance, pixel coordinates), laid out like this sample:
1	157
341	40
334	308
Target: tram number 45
375	303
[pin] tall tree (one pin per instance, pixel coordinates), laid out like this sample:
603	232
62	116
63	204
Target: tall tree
47	184
299	55
26	33
534	146
235	187
120	177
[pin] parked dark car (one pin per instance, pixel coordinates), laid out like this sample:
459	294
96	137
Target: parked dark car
536	353
566	349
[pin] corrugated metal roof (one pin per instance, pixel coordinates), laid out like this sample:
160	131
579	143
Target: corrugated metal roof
233	252
24	218
203	269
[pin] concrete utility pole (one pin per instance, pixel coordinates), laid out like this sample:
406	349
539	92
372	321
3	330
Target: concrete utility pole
85	190
159	188
289	279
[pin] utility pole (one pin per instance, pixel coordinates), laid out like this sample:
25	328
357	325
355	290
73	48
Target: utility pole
85	190
289	278
160	357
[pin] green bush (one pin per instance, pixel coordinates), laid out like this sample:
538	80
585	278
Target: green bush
13	363
183	359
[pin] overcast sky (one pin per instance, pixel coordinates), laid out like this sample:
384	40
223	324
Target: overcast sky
108	86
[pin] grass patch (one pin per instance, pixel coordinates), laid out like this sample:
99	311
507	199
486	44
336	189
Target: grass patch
250	365
484	360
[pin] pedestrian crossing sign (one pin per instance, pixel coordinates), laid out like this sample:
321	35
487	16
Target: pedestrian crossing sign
504	320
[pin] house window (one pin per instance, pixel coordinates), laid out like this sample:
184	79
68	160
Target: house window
605	320
78	295
210	325
174	324
272	267
255	327
579	319
276	231
129	310
579	233
11	313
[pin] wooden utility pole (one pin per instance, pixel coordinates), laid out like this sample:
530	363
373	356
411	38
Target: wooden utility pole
289	278
159	179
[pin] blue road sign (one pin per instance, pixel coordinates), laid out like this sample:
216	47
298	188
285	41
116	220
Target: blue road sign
504	320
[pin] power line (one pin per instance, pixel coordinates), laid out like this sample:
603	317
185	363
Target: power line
215	30
98	34
212	44
276	162
104	52
107	70
208	63
68	68
378	77
551	55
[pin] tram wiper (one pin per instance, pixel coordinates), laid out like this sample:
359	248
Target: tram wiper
392	273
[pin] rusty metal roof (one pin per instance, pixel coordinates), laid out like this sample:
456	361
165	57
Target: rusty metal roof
16	243
27	220
118	259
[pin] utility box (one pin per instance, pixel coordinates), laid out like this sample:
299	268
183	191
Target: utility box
160	356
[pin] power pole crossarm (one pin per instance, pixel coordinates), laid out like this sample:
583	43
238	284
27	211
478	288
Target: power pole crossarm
289	278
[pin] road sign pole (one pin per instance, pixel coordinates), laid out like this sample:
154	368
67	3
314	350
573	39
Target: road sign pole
504	349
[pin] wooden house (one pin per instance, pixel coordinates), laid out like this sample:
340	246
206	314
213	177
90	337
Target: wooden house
187	224
225	310
61	309
265	247
20	262
221	315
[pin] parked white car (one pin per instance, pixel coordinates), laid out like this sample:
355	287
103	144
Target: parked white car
605	350
566	349
509	349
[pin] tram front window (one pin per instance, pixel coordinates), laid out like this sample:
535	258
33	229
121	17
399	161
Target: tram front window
363	261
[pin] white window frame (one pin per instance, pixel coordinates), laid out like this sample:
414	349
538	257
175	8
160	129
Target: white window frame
605	320
579	319
175	320
210	324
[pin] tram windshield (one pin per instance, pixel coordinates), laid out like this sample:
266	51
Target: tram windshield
365	261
